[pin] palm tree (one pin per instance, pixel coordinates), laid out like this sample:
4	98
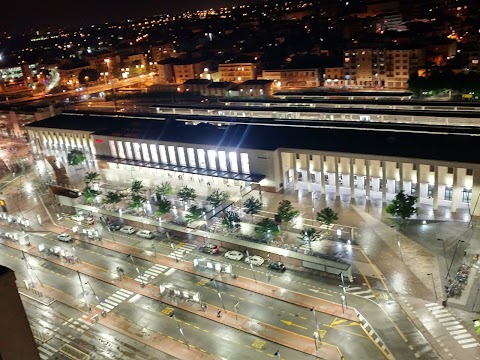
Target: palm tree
309	235
90	194
91	177
186	194
286	211
327	216
165	188
231	220
137	187
194	213
217	197
252	206
266	227
75	157
113	197
164	207
136	201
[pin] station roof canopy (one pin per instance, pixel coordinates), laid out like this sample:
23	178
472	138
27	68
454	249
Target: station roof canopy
457	144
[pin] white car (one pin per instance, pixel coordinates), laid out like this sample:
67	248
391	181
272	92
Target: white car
64	237
234	255
77	217
145	234
254	260
127	229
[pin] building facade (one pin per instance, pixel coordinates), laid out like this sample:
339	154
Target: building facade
354	163
293	78
238	71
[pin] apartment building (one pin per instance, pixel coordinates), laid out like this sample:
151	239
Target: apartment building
293	78
239	70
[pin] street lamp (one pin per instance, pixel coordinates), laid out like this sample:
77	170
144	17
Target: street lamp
180	330
434	289
104	313
475	301
142	284
29	269
444	254
174	253
398	242
453	258
236	310
219	294
251	267
344	288
154	249
344	305
84	293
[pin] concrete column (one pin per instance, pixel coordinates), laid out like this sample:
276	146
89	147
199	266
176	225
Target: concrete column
322	175
367	179
400	175
295	172
455	191
352	181
305	164
337	180
435	189
475	203
417	186
384	182
284	170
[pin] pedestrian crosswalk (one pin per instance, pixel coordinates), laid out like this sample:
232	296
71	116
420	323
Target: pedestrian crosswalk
114	300
181	250
359	291
46	351
151	273
453	326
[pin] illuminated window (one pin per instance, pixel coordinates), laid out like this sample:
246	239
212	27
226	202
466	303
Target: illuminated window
222	160
181	156
212	155
201	158
232	156
121	153
128	149
146	155
191	157
153	152
113	149
163	154
136	151
171	155
245	163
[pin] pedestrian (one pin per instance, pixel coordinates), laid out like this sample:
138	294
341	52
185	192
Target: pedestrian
219	313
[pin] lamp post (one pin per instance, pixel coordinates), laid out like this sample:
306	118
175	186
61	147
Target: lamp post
277	354
475	301
84	293
154	249
398	242
434	289
444	255
219	295
180	330
174	253
251	267
236	310
344	288
453	258
29	269
343	298
142	284
104	313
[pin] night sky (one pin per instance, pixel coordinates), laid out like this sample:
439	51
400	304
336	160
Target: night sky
20	15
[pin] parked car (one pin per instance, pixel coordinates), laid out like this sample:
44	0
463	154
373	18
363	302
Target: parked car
145	234
277	265
64	237
254	260
114	227
127	229
234	255
209	248
77	217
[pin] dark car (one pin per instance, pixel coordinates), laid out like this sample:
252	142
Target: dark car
114	227
277	265
209	248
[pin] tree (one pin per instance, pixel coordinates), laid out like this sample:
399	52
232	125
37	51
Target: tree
137	187
186	194
252	206
87	75
217	197
309	235
90	194
113	197
91	177
266	227
402	208
476	325
194	213
231	220
327	216
75	157
165	188
286	211
164	207
136	201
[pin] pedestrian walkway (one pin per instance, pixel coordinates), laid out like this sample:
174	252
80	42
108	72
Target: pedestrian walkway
151	273
362	292
181	250
114	300
45	351
453	326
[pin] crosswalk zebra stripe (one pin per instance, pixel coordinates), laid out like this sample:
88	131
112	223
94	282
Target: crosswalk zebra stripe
126	291
362	292
467	341
461	336
446	319
455	327
354	288
450	323
49	347
458	332
470	346
118	297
